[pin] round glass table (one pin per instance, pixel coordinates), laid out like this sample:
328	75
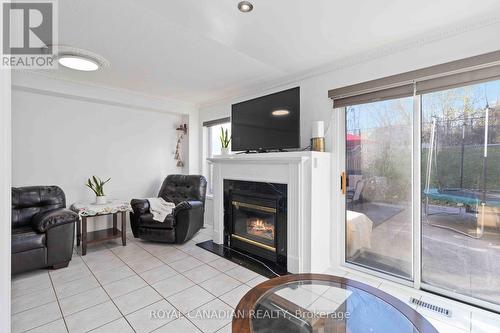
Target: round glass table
306	303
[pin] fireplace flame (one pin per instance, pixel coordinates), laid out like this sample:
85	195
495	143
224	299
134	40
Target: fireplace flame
259	227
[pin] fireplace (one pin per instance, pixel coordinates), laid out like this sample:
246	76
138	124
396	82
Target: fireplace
255	219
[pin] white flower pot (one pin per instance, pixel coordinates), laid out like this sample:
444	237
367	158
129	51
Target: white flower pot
101	200
224	151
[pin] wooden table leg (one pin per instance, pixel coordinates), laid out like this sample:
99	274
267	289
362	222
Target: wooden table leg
124	228
115	223
78	232
84	235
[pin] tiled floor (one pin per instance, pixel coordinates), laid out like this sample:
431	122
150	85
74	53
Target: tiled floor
150	287
115	289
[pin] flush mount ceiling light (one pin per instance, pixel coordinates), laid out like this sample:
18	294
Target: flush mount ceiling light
245	6
79	59
280	113
78	62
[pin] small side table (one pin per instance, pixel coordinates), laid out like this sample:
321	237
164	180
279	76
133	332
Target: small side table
86	210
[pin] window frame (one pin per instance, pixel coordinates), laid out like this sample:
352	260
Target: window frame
209	126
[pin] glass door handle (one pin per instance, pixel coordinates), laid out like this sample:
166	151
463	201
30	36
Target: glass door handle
343	182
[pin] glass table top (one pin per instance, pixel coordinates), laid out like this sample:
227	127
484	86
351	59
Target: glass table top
325	306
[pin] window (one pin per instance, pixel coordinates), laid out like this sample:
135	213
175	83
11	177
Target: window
213	145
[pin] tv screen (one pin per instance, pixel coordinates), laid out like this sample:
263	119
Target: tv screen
270	122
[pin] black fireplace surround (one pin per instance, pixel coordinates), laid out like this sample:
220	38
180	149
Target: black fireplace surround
255	218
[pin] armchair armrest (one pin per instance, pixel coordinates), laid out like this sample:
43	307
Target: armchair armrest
186	205
52	218
140	206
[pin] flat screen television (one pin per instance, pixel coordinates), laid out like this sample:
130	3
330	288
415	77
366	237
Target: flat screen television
265	123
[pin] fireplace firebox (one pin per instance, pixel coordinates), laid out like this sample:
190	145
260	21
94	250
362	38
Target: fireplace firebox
255	215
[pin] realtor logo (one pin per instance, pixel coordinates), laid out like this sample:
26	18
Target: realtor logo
29	34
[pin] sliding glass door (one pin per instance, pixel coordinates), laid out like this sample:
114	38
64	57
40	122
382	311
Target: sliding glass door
461	191
379	186
425	205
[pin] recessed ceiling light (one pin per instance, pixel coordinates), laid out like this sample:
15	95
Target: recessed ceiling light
280	113
78	62
245	6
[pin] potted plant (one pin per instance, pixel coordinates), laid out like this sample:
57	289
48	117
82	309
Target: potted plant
97	185
224	141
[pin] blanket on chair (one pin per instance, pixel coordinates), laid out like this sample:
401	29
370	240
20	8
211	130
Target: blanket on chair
160	208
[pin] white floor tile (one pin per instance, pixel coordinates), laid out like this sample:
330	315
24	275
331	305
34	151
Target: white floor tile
92	317
32	300
181	325
171	256
172	285
27	283
57	326
202	254
201	237
226	329
137	299
35	317
300	296
222	264
216	322
316	289
242	274
142	265
122	287
220	284
152	317
338	295
185	264
117	326
233	297
190	299
201	273
186	246
105	265
71	273
323	305
135	256
257	280
155	248
82	301
157	274
115	274
75	287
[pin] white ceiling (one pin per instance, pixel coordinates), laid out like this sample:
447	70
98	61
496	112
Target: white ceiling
201	50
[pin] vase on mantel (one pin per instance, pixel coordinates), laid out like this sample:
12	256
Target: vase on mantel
101	200
224	151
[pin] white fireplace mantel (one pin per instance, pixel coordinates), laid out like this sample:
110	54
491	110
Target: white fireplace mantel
308	177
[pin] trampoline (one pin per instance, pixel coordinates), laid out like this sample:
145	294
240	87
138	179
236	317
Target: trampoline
474	200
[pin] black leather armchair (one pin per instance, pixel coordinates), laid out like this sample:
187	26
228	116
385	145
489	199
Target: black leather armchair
43	230
188	193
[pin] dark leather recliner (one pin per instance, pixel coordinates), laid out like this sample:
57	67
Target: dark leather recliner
43	230
188	193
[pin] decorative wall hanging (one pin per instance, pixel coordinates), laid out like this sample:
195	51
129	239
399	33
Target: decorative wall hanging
181	131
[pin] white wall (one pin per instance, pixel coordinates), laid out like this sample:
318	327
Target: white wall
315	104
62	140
5	200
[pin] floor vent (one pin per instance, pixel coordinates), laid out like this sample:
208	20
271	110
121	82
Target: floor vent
430	306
